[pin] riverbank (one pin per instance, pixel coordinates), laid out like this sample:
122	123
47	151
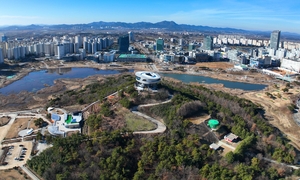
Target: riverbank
234	76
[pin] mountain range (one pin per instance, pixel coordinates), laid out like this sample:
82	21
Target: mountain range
163	25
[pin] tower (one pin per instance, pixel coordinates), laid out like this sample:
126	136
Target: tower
60	51
131	36
4	38
1	56
208	43
274	39
123	43
159	44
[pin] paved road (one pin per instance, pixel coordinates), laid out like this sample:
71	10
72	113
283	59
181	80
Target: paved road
30	174
160	126
220	143
154	104
283	164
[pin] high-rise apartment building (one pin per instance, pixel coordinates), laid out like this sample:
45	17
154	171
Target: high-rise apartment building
208	43
160	44
131	36
275	39
123	43
60	51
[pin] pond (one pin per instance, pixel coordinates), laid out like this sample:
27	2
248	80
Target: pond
37	80
187	78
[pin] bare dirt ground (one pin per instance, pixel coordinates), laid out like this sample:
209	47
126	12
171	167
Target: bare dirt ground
200	119
276	110
215	65
13	174
19	124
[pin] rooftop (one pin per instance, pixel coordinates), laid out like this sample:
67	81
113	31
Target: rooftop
231	136
132	56
214	146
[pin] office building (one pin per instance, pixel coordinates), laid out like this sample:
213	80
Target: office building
1	57
123	43
191	46
208	43
4	38
275	39
159	44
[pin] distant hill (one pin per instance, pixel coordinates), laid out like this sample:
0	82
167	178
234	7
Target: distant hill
163	25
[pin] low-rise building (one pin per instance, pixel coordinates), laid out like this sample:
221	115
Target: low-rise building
132	58
230	137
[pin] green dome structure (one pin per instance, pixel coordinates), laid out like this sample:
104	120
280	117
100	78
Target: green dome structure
213	123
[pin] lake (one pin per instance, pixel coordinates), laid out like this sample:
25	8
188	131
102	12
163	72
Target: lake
37	80
186	78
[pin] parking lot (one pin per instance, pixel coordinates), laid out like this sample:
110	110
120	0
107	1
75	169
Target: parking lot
18	155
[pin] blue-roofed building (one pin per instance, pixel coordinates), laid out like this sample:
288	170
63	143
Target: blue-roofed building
55	117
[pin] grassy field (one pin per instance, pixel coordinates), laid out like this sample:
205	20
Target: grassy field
20	124
137	123
12	174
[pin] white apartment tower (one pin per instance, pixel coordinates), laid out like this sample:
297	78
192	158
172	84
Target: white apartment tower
60	51
131	36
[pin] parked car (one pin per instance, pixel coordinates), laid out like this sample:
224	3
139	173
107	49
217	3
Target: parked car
21	145
4	163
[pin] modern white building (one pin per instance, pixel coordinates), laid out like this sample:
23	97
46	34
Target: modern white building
147	80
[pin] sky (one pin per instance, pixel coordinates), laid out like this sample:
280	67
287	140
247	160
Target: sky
264	15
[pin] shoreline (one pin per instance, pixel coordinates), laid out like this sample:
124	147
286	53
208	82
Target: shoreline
214	76
21	74
252	79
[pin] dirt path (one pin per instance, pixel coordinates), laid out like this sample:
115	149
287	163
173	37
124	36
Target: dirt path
199	120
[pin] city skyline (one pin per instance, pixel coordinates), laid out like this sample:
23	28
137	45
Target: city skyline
266	15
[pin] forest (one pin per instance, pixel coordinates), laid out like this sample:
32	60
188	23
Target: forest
182	152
